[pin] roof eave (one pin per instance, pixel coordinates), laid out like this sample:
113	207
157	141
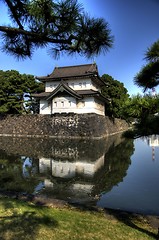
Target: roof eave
46	78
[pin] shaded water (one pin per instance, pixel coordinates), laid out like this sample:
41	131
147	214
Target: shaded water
113	173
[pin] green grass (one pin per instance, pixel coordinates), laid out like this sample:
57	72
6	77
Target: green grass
21	220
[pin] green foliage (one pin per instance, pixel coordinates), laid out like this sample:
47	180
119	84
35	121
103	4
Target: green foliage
116	94
63	26
152	53
143	111
148	77
15	90
148	127
141	107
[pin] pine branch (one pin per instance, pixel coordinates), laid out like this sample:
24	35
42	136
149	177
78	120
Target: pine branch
35	36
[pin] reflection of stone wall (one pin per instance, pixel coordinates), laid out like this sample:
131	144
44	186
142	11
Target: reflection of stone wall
60	125
59	149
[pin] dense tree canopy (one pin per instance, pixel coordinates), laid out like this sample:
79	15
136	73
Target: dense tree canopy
148	77
63	26
15	90
141	107
116	93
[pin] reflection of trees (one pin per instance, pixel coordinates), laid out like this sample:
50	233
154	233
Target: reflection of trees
117	161
11	174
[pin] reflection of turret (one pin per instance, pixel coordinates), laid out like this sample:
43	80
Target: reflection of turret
82	171
67	169
153	141
74	190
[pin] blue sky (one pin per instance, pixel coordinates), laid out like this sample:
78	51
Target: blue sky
134	24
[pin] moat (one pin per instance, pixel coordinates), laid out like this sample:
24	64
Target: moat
113	172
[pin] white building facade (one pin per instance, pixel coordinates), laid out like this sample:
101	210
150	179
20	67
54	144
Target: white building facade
73	89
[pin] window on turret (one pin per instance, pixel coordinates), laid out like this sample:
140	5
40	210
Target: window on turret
55	104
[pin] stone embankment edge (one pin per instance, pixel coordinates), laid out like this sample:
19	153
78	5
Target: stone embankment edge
62	137
75	126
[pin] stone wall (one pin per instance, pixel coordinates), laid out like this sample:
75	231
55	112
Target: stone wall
60	125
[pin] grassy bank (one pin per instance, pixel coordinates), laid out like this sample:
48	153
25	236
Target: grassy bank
22	220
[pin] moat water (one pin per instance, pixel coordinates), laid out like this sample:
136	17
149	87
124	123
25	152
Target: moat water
113	173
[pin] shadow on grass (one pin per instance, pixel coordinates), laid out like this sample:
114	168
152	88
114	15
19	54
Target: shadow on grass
129	219
20	224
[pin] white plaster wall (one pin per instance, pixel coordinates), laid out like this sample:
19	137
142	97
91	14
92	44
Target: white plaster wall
70	104
45	107
99	107
64	104
90	106
50	86
82	84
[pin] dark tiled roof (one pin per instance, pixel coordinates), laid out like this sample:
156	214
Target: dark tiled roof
71	71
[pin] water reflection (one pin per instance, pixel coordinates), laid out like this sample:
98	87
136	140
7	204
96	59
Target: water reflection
15	175
76	170
138	192
112	173
153	141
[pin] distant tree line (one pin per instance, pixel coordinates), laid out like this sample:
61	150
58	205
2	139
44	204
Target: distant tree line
121	105
15	92
16	97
